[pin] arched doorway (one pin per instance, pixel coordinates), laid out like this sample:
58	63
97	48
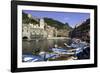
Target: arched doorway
25	37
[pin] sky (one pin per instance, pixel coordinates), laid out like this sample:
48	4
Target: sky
72	18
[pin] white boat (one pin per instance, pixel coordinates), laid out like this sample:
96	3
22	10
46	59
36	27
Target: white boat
61	51
31	58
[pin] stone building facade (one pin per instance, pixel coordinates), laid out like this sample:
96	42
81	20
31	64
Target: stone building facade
41	30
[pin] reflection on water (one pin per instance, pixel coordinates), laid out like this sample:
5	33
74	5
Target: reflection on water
43	45
42	50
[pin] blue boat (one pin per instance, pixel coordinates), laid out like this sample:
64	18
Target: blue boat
31	58
37	58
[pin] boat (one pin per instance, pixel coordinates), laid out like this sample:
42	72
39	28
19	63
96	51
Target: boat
62	51
31	58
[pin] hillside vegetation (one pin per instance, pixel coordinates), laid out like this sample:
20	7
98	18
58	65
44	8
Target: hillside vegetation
51	22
